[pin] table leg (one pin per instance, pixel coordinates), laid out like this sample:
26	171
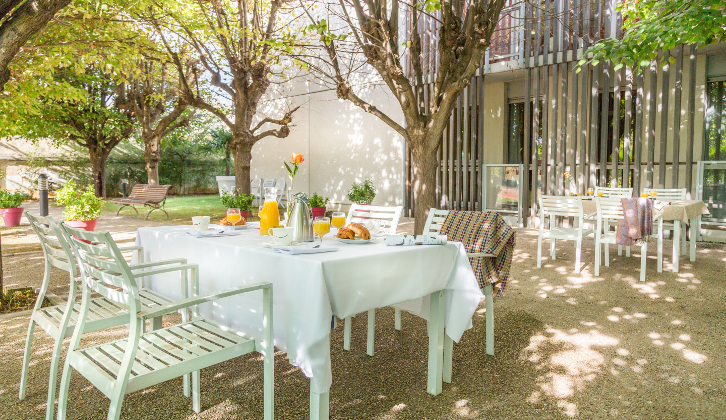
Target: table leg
695	229
659	245
676	245
319	405
436	343
448	358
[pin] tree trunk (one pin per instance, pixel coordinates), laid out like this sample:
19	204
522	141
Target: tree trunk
99	159
423	169
227	157
242	160
152	155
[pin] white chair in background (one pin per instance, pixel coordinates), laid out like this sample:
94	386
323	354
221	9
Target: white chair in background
60	320
669	194
387	219
552	207
256	191
145	359
610	209
614	192
434	224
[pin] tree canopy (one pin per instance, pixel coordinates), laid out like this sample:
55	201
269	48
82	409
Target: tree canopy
653	26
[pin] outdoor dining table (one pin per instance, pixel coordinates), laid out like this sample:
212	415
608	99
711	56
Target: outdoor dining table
309	289
686	211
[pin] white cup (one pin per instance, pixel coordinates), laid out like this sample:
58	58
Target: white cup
200	223
281	236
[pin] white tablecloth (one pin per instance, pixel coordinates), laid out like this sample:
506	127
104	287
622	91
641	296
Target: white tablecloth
308	289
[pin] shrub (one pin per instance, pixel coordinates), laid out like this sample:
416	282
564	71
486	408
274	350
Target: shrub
362	192
79	204
240	201
318	201
10	200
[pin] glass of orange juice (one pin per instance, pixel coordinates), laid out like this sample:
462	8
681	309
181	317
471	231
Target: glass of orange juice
644	194
233	216
590	191
321	226
600	193
270	213
653	193
338	219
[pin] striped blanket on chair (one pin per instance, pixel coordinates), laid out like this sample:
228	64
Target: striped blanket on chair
484	232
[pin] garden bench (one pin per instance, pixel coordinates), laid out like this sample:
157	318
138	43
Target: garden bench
152	196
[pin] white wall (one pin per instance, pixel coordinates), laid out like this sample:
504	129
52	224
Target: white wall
341	143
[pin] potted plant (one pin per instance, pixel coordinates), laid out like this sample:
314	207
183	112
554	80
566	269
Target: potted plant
243	202
10	207
362	192
318	203
82	207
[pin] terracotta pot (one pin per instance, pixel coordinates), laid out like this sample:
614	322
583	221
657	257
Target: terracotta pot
88	225
12	217
363	211
318	212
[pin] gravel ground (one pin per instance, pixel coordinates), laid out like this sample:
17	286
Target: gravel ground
567	345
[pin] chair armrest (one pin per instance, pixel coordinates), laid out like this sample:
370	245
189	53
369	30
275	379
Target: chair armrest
131	248
165	270
157	263
185	303
591	215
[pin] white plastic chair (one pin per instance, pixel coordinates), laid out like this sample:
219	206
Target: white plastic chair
614	192
667	194
388	218
566	206
146	359
434	224
610	209
59	321
256	191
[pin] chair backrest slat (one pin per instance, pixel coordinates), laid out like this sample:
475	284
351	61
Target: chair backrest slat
388	217
614	192
103	267
52	240
567	206
435	221
668	193
610	208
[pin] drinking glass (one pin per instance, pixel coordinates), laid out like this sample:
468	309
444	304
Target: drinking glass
321	226
653	193
644	194
590	191
338	219
233	215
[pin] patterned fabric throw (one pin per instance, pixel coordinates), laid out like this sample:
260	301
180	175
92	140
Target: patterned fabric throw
637	223
484	232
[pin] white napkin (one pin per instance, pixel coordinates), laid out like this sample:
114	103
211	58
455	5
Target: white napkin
658	205
304	249
212	233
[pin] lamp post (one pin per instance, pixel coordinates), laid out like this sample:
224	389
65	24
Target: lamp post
124	183
43	194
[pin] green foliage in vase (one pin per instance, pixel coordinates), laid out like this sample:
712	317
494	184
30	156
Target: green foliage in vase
79	204
362	192
318	201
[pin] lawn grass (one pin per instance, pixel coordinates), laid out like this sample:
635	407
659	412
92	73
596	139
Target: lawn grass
180	209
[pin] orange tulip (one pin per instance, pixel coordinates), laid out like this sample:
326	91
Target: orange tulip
297	158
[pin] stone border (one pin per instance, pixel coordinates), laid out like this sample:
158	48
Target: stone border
54	300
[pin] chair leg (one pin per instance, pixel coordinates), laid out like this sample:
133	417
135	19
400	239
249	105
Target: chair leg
659	246
371	331
63	391
620	250
488	295
607	254
676	245
147	214
26	360
627	251
346	334
539	251
553	244
53	377
683	238
643	260
598	252
578	256
196	391
397	319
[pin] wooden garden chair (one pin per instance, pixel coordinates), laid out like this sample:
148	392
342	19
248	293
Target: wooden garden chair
561	206
59	321
145	359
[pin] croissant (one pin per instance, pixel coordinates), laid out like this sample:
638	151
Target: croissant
360	230
345	233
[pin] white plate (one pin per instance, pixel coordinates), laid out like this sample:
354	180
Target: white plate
231	227
354	241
